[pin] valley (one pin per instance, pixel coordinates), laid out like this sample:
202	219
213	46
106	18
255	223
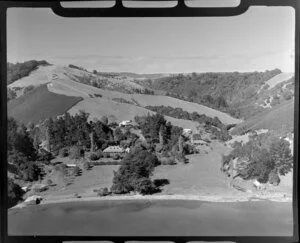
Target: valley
195	173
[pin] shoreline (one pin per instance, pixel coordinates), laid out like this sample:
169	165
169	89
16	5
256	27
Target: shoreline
203	198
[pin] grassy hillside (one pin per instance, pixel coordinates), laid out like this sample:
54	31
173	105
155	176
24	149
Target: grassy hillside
115	111
20	70
61	82
278	79
70	87
39	104
280	119
242	95
41	75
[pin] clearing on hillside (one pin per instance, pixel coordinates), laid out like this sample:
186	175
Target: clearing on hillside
278	79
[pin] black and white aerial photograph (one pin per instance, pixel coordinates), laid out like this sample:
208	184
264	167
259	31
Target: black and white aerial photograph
150	126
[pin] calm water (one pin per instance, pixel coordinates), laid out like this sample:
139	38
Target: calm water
142	218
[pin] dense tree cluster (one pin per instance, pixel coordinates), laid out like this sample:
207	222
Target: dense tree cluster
15	193
125	138
77	67
22	155
11	94
156	129
68	130
217	90
20	70
122	100
19	140
263	158
134	173
28	88
144	91
211	124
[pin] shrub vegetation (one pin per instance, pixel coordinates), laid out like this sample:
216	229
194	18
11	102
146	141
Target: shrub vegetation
231	92
134	173
264	158
15	193
64	132
211	124
21	152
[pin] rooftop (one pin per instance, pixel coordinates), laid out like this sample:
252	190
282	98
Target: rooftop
113	149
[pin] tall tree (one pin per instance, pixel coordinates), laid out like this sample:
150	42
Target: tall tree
282	157
24	143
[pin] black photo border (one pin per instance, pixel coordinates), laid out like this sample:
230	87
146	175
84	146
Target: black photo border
118	10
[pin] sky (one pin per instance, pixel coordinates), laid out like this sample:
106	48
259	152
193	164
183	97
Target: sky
258	40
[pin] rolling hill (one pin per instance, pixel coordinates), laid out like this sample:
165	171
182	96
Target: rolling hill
70	89
40	104
43	74
279	119
99	102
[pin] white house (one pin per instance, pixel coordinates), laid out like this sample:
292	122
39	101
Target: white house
44	145
291	142
71	165
25	188
196	140
187	131
114	150
125	123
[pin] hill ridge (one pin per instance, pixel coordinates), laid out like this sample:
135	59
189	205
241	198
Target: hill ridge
60	82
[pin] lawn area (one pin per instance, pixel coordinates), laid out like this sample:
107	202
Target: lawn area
201	175
95	178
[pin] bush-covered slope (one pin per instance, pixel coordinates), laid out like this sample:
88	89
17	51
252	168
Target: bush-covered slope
223	91
20	70
39	104
212	125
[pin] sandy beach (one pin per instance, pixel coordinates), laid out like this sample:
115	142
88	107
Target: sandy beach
276	197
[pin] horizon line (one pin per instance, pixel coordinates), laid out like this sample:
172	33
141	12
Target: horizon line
145	73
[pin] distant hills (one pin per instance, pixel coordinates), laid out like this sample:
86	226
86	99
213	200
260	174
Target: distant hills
138	75
256	97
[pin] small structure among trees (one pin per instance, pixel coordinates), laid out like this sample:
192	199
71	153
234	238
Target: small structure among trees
196	139
112	150
125	123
